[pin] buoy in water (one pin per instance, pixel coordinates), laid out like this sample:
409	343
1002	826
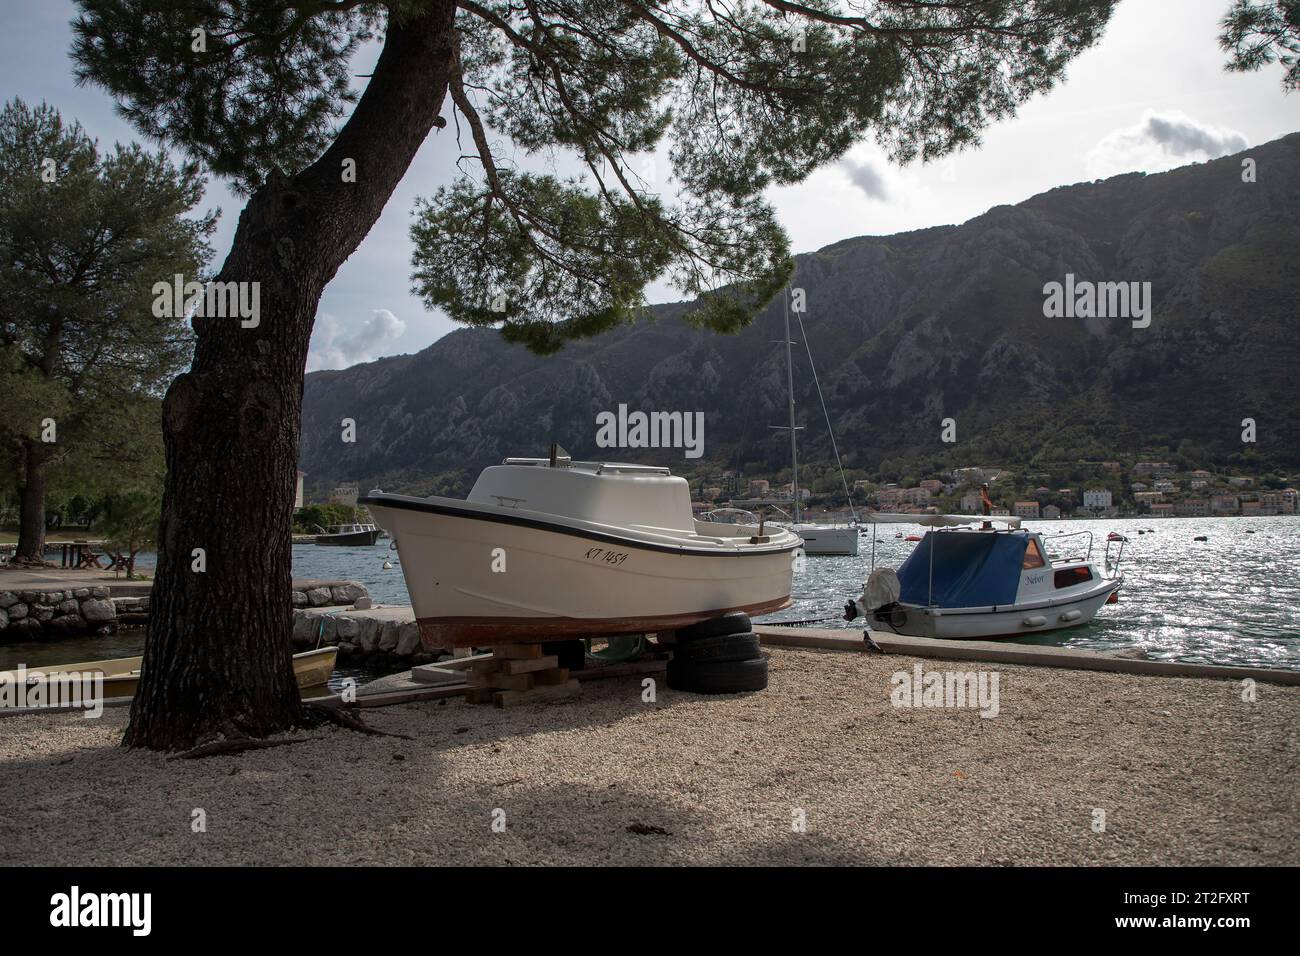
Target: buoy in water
388	565
1200	537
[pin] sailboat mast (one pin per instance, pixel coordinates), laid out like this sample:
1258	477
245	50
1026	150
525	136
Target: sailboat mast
789	390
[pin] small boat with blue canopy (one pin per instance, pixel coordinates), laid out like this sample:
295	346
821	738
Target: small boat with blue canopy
964	582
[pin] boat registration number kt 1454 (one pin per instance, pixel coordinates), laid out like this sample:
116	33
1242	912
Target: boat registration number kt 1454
609	557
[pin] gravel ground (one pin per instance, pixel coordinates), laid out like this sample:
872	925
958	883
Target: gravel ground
1186	772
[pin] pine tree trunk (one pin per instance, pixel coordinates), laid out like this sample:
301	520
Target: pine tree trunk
31	515
217	654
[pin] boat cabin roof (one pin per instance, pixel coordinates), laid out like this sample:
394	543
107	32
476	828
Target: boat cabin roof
610	493
968	568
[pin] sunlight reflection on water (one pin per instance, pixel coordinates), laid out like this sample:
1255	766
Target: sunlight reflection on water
1233	599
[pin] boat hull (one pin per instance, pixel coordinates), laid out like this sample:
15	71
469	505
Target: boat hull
955	624
477	579
829	541
352	539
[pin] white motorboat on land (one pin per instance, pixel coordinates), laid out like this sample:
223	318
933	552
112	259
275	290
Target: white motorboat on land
546	549
973	583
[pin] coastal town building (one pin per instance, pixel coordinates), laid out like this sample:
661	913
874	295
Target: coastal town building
1277	502
888	498
1026	509
1097	499
1224	504
345	494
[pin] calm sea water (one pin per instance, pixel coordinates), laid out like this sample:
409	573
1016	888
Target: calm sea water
1233	599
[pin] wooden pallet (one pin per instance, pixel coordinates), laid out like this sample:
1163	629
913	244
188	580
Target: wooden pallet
519	674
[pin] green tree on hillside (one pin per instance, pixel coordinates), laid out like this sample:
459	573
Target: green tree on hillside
83	237
551	232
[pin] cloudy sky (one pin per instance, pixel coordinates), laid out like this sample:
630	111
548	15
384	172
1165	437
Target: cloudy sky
1151	95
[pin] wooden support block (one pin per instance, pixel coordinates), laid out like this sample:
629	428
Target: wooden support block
518	652
459	663
500	681
432	674
549	662
511	698
628	669
485	667
479	695
556	675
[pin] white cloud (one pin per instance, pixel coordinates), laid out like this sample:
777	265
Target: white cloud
334	346
867	177
1160	141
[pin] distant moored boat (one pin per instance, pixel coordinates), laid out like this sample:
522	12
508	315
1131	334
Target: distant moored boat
349	534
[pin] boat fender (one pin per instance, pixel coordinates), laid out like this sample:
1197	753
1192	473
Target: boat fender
1071	615
1034	620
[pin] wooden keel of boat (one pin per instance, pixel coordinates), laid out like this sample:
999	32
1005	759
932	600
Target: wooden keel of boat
446	633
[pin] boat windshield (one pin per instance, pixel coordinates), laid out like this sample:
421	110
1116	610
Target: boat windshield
1033	556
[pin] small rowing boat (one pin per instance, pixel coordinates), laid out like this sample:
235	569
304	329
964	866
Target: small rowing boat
121	675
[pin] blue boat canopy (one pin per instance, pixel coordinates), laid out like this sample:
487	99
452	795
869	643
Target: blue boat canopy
976	569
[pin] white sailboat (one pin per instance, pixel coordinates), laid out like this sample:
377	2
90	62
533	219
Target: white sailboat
818	539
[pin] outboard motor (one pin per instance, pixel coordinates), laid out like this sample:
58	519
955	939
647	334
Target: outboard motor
881	590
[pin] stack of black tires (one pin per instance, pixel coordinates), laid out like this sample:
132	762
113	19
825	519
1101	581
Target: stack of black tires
719	656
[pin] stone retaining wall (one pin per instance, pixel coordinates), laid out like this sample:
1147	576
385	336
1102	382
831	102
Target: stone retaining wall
380	637
31	615
43	615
